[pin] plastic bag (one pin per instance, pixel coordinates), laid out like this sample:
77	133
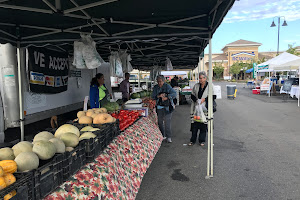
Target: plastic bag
115	65
78	60
129	66
89	53
156	70
85	54
169	65
199	115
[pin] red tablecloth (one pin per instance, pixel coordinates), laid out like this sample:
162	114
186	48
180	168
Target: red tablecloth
117	173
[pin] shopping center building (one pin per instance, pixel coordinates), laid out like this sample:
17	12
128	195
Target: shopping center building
238	51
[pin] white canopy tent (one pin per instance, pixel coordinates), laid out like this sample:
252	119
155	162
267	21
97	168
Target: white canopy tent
278	60
292	65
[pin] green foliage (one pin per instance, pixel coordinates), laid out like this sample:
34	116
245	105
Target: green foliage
292	50
235	68
218	69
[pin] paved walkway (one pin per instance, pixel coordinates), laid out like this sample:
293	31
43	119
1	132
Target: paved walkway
257	153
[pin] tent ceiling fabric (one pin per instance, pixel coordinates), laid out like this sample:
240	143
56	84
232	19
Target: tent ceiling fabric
149	30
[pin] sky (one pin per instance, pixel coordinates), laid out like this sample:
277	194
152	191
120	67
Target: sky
251	20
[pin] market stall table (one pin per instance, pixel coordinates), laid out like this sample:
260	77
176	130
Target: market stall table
117	172
295	92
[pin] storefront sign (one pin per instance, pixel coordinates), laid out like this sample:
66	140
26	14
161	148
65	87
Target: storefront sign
48	70
242	56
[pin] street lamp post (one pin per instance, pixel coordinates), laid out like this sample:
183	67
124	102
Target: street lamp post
273	25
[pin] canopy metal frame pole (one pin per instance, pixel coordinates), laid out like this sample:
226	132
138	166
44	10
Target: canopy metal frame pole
210	118
20	92
269	83
299	87
139	83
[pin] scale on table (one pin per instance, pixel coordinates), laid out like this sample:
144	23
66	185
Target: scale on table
134	103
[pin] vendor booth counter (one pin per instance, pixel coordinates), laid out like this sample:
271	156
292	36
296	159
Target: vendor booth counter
117	172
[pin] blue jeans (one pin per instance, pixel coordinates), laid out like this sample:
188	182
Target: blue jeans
164	122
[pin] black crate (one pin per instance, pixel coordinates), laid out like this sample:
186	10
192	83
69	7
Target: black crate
48	176
23	187
74	160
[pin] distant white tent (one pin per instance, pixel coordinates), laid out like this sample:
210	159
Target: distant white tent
278	60
291	65
173	73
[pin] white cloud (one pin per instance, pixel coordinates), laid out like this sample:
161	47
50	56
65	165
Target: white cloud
252	10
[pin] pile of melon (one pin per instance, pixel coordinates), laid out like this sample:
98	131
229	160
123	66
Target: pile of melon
95	116
45	145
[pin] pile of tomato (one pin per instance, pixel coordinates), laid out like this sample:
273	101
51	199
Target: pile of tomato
150	103
126	118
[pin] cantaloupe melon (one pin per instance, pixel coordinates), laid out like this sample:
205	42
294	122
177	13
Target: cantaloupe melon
85	120
7	154
59	145
94	129
103	119
70	139
44	149
87	135
69	149
27	161
103	110
80	114
44	135
94	115
87	128
20	147
67	128
89	113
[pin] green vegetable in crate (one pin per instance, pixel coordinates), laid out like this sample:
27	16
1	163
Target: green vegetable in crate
86	136
111	106
59	145
27	161
120	101
44	135
143	94
44	149
135	96
70	139
7	154
66	128
20	147
87	128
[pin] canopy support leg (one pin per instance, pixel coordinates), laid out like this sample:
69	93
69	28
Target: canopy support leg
20	92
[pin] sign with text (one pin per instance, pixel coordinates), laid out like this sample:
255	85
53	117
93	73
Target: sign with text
255	69
48	70
265	85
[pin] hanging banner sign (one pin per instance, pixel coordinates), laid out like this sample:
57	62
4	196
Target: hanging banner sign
47	70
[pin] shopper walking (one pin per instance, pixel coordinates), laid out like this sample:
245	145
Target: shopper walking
164	94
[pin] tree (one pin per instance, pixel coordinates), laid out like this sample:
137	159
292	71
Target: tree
236	68
218	69
292	50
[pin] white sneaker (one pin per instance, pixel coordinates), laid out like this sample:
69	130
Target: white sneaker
164	138
169	140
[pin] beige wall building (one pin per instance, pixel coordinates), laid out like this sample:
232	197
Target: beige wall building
238	51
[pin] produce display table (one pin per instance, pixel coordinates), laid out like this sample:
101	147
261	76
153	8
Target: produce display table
117	172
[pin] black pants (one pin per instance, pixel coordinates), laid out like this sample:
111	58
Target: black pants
203	129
